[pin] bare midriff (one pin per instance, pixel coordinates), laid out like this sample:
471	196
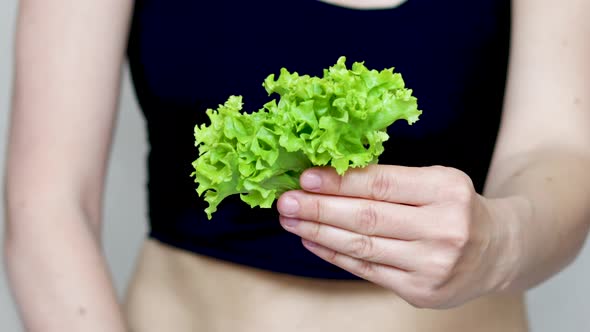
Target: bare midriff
175	290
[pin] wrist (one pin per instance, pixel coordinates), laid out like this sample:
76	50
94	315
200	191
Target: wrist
509	217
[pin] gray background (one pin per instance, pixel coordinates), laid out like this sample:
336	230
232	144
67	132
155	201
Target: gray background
558	305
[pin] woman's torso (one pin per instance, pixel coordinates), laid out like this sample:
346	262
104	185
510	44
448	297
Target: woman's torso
187	56
174	290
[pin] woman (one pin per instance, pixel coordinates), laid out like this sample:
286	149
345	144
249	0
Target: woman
379	243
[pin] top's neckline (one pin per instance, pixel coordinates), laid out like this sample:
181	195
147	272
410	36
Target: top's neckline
375	7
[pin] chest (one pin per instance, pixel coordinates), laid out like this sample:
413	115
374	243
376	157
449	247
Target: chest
199	53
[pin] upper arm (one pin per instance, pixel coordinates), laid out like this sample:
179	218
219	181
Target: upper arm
547	104
68	57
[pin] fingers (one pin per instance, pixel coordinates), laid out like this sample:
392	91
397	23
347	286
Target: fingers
361	216
379	274
407	229
404	185
403	255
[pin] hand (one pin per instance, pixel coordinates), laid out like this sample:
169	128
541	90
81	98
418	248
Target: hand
424	233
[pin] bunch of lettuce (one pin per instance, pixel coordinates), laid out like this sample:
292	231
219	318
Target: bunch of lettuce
339	119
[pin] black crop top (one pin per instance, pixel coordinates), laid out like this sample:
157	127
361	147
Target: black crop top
187	56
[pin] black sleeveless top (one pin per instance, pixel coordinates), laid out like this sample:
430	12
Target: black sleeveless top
187	56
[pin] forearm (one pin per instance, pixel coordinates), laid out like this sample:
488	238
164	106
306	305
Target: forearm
543	198
58	275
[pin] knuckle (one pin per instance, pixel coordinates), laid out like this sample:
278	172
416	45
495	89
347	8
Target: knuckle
367	219
454	185
461	188
443	174
443	266
460	241
454	173
457	239
426	293
365	269
318	209
427	298
315	232
438	169
422	301
361	247
417	303
457	232
381	186
462	193
332	256
457	185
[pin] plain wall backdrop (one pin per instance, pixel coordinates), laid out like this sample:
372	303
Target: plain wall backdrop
559	304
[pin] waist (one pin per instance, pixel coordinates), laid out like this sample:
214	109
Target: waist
181	291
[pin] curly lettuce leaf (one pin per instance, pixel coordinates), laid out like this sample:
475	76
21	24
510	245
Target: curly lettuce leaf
339	119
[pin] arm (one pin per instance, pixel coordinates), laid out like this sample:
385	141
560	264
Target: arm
68	61
426	234
542	156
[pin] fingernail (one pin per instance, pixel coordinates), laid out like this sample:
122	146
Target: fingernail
309	244
311	180
290	222
289	206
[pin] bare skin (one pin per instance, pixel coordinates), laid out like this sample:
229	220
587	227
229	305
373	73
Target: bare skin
538	177
367	4
180	291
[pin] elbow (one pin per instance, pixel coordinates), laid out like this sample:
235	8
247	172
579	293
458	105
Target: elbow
574	238
41	213
584	229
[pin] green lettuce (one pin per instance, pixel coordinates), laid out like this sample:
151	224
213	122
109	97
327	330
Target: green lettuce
339	119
